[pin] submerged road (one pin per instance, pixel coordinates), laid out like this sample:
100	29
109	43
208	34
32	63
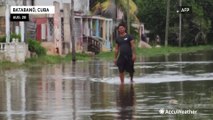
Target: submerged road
175	87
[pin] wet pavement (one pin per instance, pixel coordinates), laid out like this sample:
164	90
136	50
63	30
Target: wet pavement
174	87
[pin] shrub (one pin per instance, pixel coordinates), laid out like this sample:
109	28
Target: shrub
16	36
12	35
3	38
35	46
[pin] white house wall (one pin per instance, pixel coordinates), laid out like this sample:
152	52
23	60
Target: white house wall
79	5
14	2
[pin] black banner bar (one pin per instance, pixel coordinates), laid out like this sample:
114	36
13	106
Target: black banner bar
19	17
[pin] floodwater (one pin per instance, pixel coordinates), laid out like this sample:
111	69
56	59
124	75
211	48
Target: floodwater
174	87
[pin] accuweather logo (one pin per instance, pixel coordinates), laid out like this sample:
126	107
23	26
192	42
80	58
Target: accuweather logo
161	111
177	111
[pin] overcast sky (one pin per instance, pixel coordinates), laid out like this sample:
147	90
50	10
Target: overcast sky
78	4
50	2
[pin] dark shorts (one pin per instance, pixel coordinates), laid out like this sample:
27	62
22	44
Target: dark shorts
125	63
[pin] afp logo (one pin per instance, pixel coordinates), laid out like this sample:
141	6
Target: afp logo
184	9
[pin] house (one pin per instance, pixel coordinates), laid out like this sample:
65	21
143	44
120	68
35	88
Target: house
55	28
15	27
12	51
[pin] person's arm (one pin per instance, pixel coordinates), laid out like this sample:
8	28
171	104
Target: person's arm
132	42
116	53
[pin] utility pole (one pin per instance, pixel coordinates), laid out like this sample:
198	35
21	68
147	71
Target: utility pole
128	17
7	20
167	22
72	32
180	24
23	25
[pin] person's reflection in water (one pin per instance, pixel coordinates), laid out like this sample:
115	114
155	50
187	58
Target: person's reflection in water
126	102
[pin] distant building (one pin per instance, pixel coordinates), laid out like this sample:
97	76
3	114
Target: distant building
85	25
79	5
14	26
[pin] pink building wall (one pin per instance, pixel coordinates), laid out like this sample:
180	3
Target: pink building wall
39	22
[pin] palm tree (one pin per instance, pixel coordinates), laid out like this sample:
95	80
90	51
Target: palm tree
108	8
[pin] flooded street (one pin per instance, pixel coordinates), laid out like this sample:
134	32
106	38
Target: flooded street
92	90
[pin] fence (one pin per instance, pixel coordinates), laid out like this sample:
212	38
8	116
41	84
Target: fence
2	47
14	52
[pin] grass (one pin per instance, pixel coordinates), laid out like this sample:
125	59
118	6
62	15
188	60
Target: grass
146	52
8	65
149	52
43	60
50	59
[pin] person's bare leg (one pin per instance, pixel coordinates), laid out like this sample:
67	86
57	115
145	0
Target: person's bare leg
131	76
122	77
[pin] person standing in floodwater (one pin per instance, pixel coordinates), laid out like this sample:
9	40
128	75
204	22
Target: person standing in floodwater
124	53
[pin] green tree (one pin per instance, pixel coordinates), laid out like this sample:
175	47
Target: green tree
108	8
153	14
195	26
207	6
